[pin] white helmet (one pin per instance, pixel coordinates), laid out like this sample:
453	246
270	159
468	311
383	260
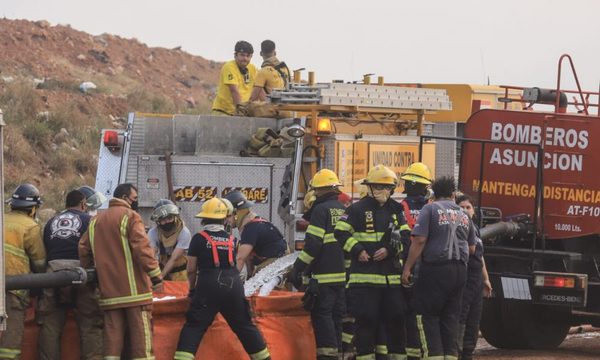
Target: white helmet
164	208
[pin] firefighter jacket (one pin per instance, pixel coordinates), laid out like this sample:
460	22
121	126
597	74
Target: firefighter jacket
322	256
116	244
367	226
23	246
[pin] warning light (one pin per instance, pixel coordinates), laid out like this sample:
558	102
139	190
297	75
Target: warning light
111	140
324	126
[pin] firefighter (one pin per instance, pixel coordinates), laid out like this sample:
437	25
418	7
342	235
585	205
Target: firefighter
417	179
215	286
61	237
117	246
369	232
322	260
261	242
93	200
478	284
23	253
442	237
170	239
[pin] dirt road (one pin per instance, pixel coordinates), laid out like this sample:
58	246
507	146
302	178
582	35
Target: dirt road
578	345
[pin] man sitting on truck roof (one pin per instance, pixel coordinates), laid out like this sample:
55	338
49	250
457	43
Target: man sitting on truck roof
236	81
274	74
261	242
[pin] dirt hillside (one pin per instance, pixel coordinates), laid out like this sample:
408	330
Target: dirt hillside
53	126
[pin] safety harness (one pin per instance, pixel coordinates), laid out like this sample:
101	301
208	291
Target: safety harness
215	251
410	220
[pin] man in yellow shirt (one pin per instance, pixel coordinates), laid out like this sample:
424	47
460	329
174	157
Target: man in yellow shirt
274	74
236	81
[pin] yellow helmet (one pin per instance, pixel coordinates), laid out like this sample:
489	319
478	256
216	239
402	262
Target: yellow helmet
361	187
380	174
325	178
417	172
230	209
213	208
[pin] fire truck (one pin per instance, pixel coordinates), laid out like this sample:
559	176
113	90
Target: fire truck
534	176
344	127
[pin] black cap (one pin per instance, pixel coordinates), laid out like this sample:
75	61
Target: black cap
244	47
238	200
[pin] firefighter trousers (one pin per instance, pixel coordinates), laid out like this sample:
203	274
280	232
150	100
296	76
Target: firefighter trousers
326	317
438	294
372	306
220	290
133	323
52	309
11	339
472	304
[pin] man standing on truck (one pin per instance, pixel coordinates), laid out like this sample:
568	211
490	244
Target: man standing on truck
235	81
417	179
61	239
369	232
170	239
443	237
322	259
274	74
117	246
261	242
23	252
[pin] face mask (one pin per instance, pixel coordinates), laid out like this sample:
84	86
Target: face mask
382	196
168	226
134	205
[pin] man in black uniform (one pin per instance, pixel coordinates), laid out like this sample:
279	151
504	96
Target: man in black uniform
215	286
417	178
442	238
368	231
478	284
61	238
261	242
322	259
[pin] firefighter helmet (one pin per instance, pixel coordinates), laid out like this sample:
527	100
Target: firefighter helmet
213	208
325	178
230	209
164	208
93	199
238	200
380	174
25	196
417	172
361	187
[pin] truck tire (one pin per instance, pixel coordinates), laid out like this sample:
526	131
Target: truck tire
522	325
494	329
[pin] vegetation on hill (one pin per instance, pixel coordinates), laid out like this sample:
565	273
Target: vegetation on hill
53	127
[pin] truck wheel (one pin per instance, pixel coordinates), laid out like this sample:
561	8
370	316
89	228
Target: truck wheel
493	327
522	325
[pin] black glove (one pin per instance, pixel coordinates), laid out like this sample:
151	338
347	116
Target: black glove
310	295
295	278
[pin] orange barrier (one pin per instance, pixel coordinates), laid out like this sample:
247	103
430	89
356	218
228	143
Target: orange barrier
284	324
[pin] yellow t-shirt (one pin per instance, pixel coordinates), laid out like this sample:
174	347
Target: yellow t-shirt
269	79
231	74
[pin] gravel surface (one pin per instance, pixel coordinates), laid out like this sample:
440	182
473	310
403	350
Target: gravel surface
581	343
